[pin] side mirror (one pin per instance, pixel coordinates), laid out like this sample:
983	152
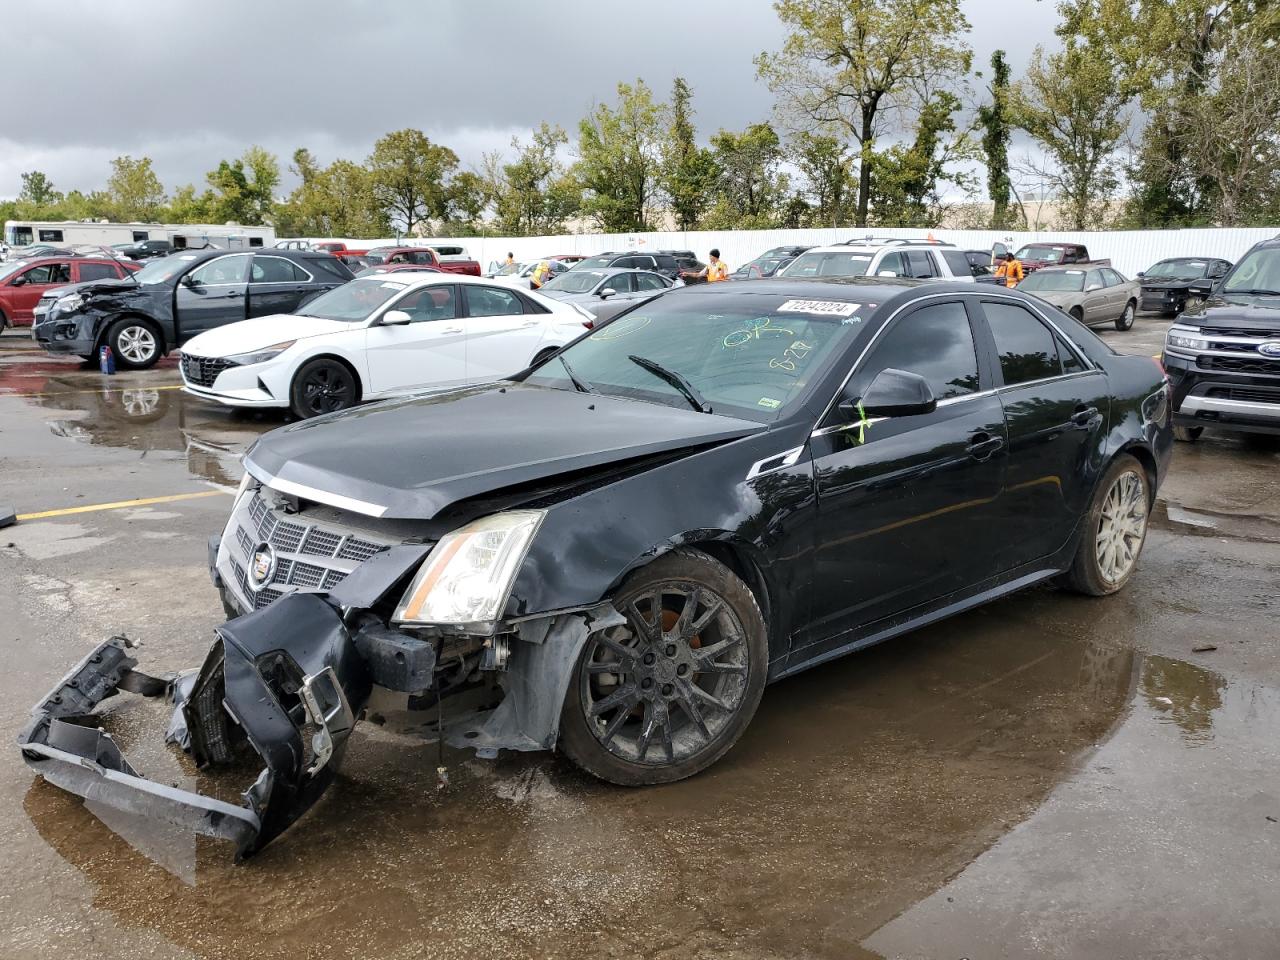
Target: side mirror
1140	274
190	280
606	293
893	393
396	318
1201	288
18	281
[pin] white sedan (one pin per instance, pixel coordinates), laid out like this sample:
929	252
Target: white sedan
378	337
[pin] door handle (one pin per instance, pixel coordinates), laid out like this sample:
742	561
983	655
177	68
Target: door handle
451	330
982	445
1084	415
529	323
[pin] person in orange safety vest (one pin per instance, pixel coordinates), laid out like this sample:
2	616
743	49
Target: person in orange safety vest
1010	269
713	272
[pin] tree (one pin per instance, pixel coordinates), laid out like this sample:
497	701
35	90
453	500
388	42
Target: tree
619	157
828	168
335	201
410	175
850	65
468	198
242	189
134	191
688	171
534	194
186	206
751	190
37	190
994	120
1072	104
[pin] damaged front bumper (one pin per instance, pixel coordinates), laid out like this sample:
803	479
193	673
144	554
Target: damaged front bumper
287	681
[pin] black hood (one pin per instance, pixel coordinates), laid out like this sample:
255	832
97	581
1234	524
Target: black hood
1261	313
413	458
88	286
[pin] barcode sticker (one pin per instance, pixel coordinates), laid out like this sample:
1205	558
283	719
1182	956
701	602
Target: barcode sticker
826	308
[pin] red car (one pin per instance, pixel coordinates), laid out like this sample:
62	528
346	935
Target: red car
23	281
422	256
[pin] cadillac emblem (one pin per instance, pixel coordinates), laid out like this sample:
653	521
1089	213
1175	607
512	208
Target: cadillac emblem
262	566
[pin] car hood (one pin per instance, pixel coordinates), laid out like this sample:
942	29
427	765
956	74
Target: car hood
1169	283
412	458
1059	298
88	286
1260	313
246	335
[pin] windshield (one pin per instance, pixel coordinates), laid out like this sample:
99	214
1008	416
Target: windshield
761	266
833	264
594	263
1258	272
166	268
1038	252
575	281
353	302
752	357
1057	281
1179	269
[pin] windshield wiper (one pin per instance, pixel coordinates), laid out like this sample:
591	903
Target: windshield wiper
690	392
1256	293
582	386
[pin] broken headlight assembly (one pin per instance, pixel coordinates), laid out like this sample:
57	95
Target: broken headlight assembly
467	578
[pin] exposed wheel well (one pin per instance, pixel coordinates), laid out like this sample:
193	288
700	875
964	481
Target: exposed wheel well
1077	312
336	359
745	570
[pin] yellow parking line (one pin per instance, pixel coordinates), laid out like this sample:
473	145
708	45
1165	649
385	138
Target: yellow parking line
63	393
141	502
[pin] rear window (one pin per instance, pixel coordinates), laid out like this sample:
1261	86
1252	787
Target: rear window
832	264
329	268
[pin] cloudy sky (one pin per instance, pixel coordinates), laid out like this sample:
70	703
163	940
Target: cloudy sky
188	85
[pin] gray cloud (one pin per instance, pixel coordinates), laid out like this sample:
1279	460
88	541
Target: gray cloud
189	85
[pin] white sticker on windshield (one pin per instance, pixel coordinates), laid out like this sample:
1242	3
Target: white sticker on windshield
826	308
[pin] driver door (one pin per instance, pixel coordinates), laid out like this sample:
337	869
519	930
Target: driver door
427	352
212	295
907	505
35	282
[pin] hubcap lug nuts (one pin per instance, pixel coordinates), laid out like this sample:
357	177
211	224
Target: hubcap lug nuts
649	659
671	649
682	670
646	683
666	689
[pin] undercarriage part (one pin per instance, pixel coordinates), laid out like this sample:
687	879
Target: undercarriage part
497	650
396	660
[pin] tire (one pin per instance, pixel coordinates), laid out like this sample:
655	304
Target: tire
694	703
1078	314
4	322
1187	434
322	386
135	343
1125	320
1115	528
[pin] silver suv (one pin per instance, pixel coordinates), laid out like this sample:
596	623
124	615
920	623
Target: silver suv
882	257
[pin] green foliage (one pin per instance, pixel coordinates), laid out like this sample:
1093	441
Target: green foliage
534	195
334	201
994	120
37	190
853	65
906	179
751	191
689	172
134	192
828	167
241	190
619	158
410	178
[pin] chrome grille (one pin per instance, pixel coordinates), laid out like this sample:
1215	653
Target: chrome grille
308	556
202	371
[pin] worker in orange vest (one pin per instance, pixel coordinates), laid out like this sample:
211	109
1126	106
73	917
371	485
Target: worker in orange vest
541	274
713	272
1010	269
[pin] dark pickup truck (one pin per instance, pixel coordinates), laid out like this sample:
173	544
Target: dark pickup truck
1223	355
423	256
1033	256
169	301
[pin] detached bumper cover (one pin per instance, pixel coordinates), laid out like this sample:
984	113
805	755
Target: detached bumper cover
287	681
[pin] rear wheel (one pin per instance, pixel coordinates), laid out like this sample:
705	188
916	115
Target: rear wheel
4	322
667	694
135	343
1187	434
1078	314
322	386
1125	320
1115	529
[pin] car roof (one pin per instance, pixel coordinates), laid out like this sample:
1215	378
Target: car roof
875	246
876	289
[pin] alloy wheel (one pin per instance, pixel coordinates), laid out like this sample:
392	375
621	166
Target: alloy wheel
326	389
1126	318
136	343
1122	527
665	686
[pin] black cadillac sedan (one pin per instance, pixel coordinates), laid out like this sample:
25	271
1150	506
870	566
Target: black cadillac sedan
614	552
169	301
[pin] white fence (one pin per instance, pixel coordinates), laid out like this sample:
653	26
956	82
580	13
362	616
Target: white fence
1129	250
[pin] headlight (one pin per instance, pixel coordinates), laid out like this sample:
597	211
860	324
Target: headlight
1179	337
263	355
68	304
468	576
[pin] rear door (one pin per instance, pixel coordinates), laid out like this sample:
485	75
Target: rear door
501	336
429	351
88	270
276	285
1097	298
212	295
34	282
1056	407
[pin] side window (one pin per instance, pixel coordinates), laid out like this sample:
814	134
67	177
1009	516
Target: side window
422	256
666	263
1219	269
922	266
1114	279
50	236
275	270
894	265
222	270
647	281
621	282
958	263
430	303
1026	348
140	235
1070	362
1094	278
98	271
40	274
492	302
60	273
934	342
624	263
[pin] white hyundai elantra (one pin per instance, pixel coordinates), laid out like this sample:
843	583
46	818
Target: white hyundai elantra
378	337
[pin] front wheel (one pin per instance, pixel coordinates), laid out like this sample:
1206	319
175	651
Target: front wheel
1125	320
667	694
1114	530
322	386
134	343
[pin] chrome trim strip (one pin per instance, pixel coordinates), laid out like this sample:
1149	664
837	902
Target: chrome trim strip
1195	404
312	493
841	427
787	458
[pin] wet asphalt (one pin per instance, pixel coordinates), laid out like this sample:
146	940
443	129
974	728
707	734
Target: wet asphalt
1050	776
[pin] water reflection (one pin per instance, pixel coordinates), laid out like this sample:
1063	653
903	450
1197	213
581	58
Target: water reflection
1185	694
